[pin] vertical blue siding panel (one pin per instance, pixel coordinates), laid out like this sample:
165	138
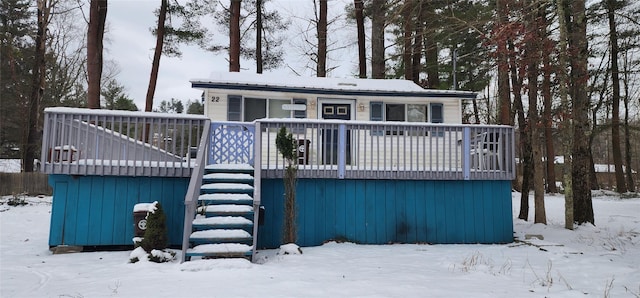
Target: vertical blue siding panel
320	210
410	212
71	213
432	224
351	211
360	212
420	212
471	234
83	201
489	220
121	213
380	217
341	198
403	225
370	211
95	213
330	208
108	211
440	213
457	211
58	207
478	208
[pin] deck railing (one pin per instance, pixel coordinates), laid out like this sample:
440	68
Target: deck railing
122	143
389	150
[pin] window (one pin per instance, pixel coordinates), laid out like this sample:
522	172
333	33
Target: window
251	108
395	112
275	108
376	111
234	108
300	113
254	108
380	111
437	115
416	113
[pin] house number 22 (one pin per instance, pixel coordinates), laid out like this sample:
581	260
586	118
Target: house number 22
215	99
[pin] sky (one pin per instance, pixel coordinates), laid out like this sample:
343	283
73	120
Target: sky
129	42
590	261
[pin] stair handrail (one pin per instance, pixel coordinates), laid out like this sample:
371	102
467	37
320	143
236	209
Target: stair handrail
193	192
257	173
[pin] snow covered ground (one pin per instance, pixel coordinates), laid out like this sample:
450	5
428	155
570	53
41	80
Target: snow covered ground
592	261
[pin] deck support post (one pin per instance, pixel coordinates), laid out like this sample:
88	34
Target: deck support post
466	153
342	144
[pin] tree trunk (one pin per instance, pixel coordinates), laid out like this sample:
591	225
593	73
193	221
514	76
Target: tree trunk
615	97
234	36
547	115
627	134
525	155
533	58
566	129
321	68
155	66
37	88
362	50
95	34
504	98
377	39
407	55
418	42
583	206
431	48
259	62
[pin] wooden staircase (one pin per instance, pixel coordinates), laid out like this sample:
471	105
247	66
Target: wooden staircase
224	226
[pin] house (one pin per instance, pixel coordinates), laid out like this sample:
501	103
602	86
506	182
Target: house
246	97
378	162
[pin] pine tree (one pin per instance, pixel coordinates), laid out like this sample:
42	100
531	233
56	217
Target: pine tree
155	237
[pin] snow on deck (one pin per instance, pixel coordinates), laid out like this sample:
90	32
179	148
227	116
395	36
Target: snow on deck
221	233
228	176
227	186
227	208
225	197
221	248
222	220
229	166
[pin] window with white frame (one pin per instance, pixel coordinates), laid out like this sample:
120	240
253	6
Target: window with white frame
248	109
380	111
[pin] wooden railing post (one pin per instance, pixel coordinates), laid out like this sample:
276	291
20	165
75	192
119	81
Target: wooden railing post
342	150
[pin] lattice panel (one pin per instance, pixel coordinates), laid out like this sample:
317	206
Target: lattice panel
231	143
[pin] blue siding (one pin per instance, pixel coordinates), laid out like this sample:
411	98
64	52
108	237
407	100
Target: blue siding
391	211
97	210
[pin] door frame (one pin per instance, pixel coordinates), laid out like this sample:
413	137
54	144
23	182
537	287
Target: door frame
323	100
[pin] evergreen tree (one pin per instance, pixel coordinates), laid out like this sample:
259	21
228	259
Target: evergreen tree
16	52
155	237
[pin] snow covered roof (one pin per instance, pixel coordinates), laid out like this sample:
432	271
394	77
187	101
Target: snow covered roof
325	86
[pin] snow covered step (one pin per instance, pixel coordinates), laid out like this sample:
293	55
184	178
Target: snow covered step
229	168
222	222
226	210
221	236
225	198
226	188
223	250
228	178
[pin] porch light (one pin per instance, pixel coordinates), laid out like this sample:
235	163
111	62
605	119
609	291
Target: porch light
361	107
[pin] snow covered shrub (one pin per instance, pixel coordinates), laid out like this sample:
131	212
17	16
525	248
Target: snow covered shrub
17	200
153	246
155	237
161	256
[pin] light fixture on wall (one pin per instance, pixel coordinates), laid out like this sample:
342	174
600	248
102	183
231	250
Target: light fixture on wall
312	104
361	107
